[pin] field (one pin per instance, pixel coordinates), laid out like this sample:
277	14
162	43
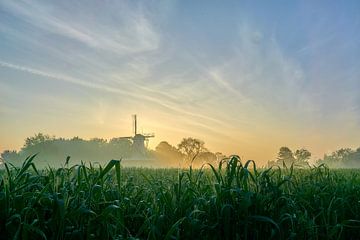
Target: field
233	200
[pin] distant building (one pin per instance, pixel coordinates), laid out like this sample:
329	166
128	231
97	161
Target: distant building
139	141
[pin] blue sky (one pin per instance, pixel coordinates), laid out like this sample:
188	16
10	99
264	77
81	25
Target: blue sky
245	76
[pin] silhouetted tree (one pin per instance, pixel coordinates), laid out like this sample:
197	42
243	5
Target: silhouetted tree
165	147
206	157
9	156
285	156
302	157
343	157
120	147
121	143
191	147
53	151
98	141
77	139
37	139
168	153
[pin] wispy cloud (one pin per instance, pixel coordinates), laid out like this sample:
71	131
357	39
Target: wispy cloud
57	77
134	94
134	32
214	75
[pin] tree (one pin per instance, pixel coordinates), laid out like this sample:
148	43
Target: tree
165	147
343	157
76	139
120	143
285	156
168	153
355	159
37	139
302	156
120	146
191	147
206	157
98	141
9	156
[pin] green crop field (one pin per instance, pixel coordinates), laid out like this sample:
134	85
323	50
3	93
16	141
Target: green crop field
232	200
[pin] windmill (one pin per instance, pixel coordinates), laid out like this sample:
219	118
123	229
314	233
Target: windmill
139	141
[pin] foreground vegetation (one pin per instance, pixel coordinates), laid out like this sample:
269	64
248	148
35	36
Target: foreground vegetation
233	200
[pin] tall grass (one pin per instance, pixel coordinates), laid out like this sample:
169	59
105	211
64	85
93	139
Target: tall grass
233	200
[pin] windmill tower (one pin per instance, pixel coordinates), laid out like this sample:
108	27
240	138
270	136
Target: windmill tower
139	141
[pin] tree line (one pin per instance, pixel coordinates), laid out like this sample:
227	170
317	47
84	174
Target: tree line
341	158
286	158
52	151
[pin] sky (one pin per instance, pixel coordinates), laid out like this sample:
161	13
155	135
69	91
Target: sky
246	77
